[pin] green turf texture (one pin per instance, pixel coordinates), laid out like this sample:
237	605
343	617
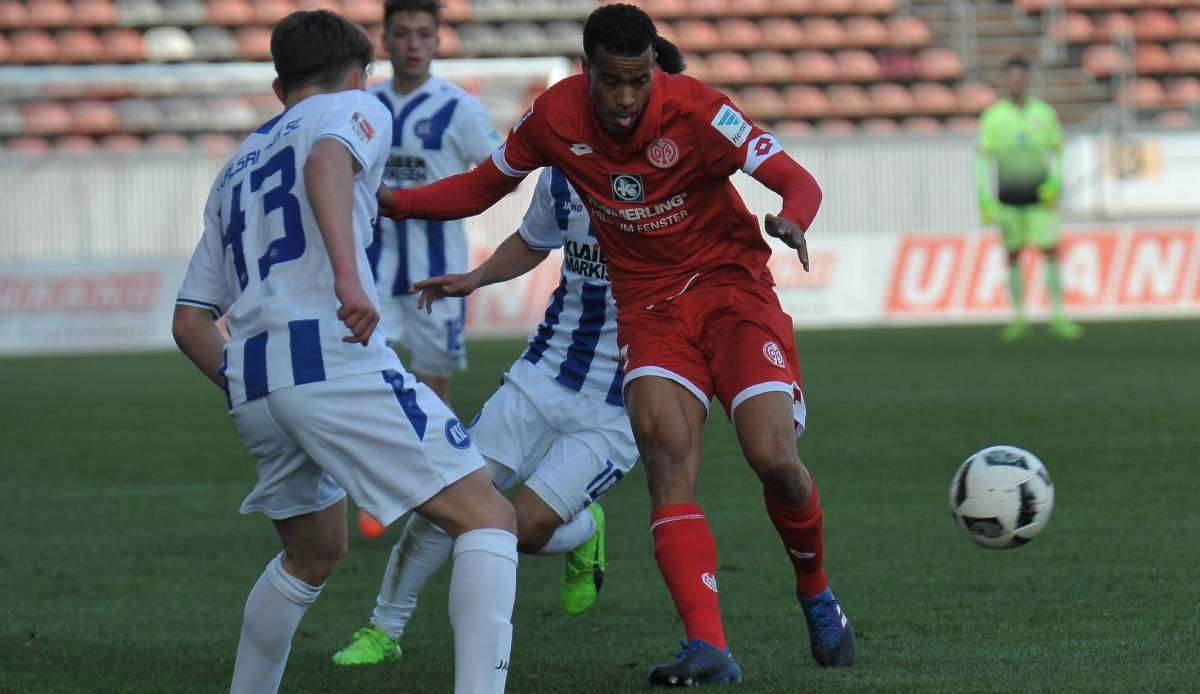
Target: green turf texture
124	563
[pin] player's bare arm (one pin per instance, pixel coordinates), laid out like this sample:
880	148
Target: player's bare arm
512	258
801	200
329	181
198	338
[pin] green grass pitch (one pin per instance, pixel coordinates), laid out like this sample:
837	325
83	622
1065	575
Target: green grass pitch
124	563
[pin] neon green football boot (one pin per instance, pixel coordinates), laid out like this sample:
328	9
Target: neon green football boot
370	646
1018	329
584	571
1062	328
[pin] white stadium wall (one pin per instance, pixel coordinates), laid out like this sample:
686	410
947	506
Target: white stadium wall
92	249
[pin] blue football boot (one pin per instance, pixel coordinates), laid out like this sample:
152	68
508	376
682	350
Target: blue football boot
829	632
698	663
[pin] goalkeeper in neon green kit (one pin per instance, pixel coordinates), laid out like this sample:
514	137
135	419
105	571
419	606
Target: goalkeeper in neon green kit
1022	135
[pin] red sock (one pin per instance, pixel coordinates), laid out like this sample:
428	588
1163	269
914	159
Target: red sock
687	557
802	535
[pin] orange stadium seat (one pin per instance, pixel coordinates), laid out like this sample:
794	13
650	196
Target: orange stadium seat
866	31
963	124
120	144
836	127
46	118
1184	91
1143	93
33	46
1103	59
891	99
908	32
729	68
13	14
762	103
857	66
230	13
782	33
824	32
697	35
1189	24
696	66
93	13
792	7
254	43
741	34
75	144
79	46
939	64
449	44
922	126
216	144
753	8
1185	56
792	128
27	146
880	126
878	7
48	13
898	65
806	101
1073	28
1154	25
269	12
935	98
833	7
814	66
456	10
974	97
771	66
6	51
1114	25
364	11
1151	58
664	9
711	8
848	100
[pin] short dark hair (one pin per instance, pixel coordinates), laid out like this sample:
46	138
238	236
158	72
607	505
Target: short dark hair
431	7
627	30
1018	62
318	47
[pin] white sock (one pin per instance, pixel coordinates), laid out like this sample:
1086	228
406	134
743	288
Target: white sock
421	551
273	611
482	589
571	534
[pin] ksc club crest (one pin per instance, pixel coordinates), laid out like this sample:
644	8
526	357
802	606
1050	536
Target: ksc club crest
774	354
663	153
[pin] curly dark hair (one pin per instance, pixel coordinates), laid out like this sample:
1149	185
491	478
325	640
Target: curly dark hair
432	7
317	47
627	30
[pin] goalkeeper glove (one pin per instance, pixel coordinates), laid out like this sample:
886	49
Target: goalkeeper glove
1049	192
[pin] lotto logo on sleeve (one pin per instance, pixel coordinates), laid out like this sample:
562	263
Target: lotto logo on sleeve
731	124
362	127
774	354
761	148
627	187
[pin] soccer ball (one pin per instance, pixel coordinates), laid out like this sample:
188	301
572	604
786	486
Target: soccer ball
1001	497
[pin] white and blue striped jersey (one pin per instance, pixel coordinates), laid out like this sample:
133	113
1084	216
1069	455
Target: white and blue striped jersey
438	130
262	262
576	343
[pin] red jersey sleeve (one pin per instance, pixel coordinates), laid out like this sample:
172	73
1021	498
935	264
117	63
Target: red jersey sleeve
730	140
521	154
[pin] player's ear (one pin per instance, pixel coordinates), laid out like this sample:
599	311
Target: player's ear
277	87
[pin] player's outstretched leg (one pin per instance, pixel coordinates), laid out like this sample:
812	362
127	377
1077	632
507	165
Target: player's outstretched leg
766	432
313	544
422	550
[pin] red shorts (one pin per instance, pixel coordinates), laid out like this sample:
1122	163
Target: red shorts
726	336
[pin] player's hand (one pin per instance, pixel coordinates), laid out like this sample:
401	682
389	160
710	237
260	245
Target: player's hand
389	205
1049	192
356	311
790	233
441	286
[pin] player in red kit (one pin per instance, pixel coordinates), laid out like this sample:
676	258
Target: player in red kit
651	155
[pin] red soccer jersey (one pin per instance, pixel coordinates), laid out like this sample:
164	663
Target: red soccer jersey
661	200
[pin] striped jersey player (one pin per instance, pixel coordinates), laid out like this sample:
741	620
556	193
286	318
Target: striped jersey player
438	130
557	424
322	403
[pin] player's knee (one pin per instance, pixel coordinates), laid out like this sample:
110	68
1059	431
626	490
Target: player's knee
534	533
317	563
498	513
779	469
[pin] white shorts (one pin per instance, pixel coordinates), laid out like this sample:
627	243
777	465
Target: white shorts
386	439
434	340
567	447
